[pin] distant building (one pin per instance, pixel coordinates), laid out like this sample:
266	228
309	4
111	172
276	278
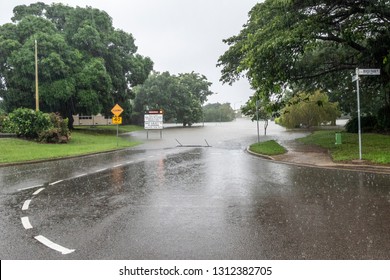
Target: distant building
91	120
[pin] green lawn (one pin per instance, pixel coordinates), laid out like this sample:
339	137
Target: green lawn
269	148
107	129
375	147
85	140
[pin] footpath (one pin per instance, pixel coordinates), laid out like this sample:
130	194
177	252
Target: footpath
314	156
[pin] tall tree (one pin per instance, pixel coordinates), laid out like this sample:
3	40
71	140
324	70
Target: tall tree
85	64
181	97
310	110
218	112
312	44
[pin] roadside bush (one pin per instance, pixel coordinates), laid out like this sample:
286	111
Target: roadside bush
2	119
368	124
26	123
30	124
58	133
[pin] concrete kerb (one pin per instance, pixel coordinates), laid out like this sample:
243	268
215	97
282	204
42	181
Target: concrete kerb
357	167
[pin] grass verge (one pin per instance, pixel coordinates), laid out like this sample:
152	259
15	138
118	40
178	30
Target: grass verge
269	148
85	140
375	147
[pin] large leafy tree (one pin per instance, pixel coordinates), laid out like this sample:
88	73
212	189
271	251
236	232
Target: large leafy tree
312	44
218	112
309	110
85	64
180	96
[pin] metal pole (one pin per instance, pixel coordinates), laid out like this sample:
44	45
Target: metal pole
36	78
257	119
358	107
117	134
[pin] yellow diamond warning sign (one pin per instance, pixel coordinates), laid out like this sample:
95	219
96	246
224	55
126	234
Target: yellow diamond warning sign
117	110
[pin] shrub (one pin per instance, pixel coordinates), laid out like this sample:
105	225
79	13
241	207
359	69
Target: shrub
58	133
26	123
49	128
367	123
2	119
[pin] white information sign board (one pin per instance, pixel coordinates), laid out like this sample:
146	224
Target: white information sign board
153	121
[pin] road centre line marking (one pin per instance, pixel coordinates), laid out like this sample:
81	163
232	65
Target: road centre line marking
26	223
29	188
53	245
56	182
100	170
26	204
118	165
80	175
38	191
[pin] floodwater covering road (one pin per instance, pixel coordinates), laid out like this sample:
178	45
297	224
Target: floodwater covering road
161	201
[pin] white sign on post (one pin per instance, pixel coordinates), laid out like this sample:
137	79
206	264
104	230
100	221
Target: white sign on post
153	121
369	72
362	72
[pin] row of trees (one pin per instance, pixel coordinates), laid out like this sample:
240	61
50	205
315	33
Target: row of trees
218	112
180	96
304	46
86	66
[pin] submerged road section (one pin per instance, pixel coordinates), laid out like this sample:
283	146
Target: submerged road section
164	201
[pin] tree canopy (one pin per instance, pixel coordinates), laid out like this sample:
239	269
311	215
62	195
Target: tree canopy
309	110
181	97
306	45
85	64
217	112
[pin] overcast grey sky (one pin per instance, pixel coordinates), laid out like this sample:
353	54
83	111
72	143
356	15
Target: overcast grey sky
180	36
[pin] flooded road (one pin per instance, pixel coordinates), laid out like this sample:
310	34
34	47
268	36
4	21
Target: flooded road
160	201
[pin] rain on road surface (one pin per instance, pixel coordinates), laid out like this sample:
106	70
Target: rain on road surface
159	201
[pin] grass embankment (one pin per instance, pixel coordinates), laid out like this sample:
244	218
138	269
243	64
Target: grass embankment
375	147
85	140
269	148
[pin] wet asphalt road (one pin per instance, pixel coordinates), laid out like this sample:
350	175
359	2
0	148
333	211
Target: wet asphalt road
160	201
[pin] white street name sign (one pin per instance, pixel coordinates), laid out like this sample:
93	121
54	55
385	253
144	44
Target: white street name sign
369	71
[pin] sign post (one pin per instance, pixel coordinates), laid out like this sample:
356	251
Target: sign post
117	110
257	120
362	72
153	120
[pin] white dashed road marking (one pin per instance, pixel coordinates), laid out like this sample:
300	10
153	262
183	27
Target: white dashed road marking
100	170
56	182
26	223
26	204
81	175
53	245
38	191
29	188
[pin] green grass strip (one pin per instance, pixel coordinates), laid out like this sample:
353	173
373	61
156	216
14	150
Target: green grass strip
83	141
269	148
375	147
